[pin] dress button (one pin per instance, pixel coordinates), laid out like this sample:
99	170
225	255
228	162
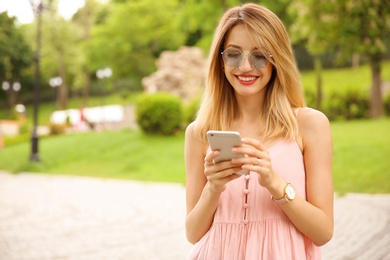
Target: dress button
247	177
246	191
245	221
245	205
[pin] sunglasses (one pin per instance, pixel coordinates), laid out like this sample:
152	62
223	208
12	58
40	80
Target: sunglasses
234	57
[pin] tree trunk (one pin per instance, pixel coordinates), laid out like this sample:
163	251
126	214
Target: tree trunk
86	89
318	69
376	101
355	60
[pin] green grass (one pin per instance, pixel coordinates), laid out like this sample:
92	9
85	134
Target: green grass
123	155
340	80
361	156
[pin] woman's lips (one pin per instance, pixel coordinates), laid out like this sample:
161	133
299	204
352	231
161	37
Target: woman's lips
246	80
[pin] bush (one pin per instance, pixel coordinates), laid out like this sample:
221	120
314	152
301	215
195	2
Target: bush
159	113
57	129
24	127
190	111
310	98
386	103
16	139
351	104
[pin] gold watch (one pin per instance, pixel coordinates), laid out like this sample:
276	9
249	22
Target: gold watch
289	195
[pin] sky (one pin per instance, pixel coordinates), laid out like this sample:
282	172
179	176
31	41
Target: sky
22	9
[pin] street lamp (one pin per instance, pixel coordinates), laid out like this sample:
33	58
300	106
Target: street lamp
54	83
5	86
37	8
16	86
104	73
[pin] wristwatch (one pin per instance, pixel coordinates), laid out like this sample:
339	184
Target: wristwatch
289	195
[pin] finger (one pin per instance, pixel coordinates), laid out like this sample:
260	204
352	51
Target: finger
209	159
253	142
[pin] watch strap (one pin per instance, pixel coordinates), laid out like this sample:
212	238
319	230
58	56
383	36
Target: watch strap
285	197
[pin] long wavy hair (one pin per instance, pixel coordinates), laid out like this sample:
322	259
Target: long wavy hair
284	91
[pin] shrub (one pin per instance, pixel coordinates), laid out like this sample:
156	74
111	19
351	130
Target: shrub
24	127
310	98
190	111
57	129
386	103
16	139
159	113
351	104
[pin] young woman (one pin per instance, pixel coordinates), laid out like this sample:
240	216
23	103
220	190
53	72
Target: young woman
282	209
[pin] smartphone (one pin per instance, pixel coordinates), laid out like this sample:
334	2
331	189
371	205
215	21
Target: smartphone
224	141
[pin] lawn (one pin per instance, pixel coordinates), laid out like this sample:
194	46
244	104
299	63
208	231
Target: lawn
361	156
344	79
127	154
361	153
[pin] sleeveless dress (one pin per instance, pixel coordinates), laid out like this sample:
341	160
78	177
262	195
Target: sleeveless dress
249	225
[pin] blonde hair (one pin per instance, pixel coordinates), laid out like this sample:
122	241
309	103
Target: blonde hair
284	92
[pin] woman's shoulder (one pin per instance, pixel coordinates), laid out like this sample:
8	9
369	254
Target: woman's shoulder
191	128
312	122
310	117
192	138
192	131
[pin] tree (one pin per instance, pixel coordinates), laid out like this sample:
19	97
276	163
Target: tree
364	28
133	36
314	25
85	19
15	54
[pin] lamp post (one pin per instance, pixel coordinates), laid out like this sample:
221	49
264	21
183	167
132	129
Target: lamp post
5	86
54	83
37	8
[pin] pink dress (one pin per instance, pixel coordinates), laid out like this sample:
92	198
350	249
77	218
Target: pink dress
248	224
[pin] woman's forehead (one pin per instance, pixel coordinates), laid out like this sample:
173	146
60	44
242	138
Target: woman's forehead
240	37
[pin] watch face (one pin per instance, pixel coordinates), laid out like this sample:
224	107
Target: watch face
290	192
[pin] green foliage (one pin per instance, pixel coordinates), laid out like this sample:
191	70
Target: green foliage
348	105
15	54
190	111
387	103
17	139
24	127
131	48
159	113
57	129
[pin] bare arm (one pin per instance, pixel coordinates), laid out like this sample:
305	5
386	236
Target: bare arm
314	217
205	182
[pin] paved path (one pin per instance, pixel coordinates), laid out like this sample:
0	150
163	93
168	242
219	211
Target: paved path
59	217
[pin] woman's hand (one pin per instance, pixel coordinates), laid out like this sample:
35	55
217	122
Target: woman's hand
218	174
257	159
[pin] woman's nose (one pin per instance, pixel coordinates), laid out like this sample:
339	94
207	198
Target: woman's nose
245	63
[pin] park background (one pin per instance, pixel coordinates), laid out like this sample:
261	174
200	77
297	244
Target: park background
54	64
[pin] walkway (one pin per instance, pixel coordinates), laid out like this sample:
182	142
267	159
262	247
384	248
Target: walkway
59	217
